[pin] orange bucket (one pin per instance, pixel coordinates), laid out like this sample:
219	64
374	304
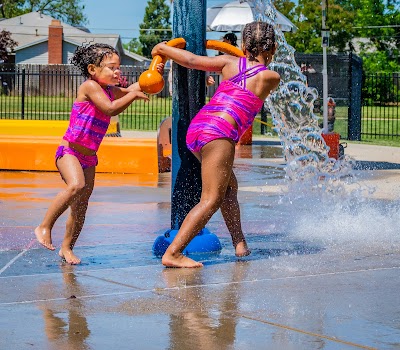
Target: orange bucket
247	137
332	141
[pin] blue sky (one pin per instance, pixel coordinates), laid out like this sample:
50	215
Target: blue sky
120	16
116	16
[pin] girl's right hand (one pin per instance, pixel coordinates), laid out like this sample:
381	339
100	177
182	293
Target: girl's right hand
133	87
140	95
156	49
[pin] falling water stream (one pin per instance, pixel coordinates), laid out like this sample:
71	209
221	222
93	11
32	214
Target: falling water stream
325	199
291	107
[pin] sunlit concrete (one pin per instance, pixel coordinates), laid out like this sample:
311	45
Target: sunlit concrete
316	279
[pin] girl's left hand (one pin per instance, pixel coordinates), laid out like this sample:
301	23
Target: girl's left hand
160	68
210	80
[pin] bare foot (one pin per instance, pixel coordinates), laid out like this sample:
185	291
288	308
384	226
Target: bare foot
44	237
169	260
242	249
69	256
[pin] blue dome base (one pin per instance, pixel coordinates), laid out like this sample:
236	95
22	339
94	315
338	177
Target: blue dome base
203	242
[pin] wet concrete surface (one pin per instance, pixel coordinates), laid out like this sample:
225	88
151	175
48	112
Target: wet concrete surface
297	290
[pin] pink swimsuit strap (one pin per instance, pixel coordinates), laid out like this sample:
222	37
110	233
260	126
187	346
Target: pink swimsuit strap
244	73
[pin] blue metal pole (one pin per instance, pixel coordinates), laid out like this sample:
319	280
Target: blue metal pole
188	96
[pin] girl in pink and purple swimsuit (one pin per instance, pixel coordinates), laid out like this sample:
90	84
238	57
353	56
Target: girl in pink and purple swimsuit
214	130
98	99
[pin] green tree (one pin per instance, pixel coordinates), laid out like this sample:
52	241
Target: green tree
368	27
68	11
375	22
286	7
7	44
11	8
134	46
308	18
156	25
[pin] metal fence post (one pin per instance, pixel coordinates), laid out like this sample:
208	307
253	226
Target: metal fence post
355	88
23	95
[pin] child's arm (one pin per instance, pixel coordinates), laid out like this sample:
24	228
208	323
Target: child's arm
92	91
119	91
190	60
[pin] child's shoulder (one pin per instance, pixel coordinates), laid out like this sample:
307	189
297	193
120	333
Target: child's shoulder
271	75
87	89
90	84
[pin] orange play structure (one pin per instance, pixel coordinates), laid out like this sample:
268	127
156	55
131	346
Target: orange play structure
31	145
152	82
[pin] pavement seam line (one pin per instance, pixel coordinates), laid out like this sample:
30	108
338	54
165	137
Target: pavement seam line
15	258
279	325
160	290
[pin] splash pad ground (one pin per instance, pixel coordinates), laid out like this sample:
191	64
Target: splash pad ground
296	291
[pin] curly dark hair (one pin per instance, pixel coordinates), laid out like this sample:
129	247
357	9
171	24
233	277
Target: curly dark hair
258	37
231	37
91	54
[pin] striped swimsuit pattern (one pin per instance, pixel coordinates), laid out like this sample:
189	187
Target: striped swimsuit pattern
232	98
87	125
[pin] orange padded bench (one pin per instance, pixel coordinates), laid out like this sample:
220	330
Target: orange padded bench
31	145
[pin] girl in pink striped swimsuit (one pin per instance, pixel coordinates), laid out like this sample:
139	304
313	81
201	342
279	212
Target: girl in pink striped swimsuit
214	130
98	99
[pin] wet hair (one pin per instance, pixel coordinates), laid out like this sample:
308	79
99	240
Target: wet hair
258	37
231	37
91	54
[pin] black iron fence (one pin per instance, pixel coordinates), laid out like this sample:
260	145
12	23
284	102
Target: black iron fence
381	106
344	86
46	92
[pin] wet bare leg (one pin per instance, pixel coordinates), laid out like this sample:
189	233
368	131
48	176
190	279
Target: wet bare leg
242	249
72	173
193	223
179	260
69	257
231	213
43	235
69	240
66	252
216	167
76	220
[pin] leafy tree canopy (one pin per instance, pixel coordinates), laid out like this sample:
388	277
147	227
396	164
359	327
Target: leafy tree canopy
367	26
6	45
156	25
68	11
134	46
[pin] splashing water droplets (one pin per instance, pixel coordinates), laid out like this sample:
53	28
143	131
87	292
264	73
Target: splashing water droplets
324	199
292	106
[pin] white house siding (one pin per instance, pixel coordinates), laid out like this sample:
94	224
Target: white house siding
68	52
127	61
36	54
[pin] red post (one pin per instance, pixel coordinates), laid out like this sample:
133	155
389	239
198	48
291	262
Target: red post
247	137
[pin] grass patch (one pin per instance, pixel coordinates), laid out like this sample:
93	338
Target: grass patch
381	120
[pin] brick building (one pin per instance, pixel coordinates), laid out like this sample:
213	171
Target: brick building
44	40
